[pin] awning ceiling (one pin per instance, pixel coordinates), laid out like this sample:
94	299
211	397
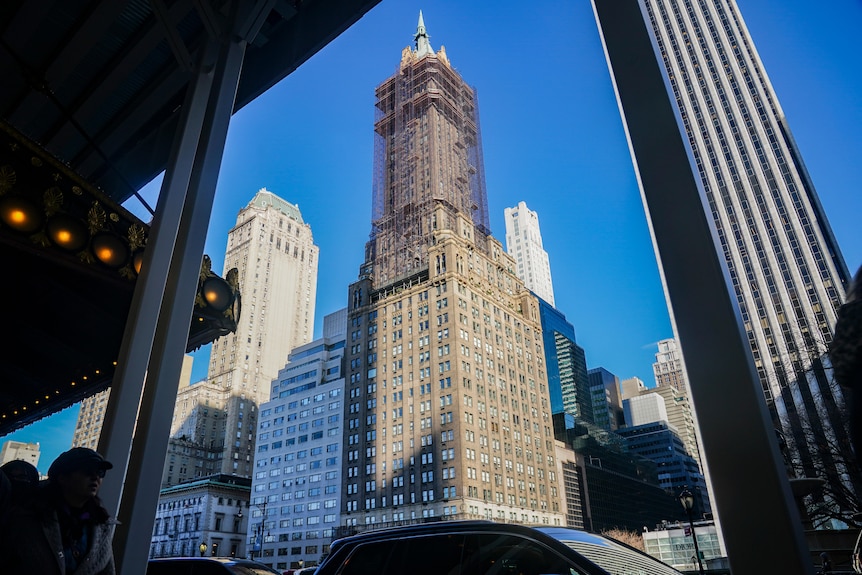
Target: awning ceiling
100	85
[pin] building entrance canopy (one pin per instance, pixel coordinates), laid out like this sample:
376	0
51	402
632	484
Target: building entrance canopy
97	90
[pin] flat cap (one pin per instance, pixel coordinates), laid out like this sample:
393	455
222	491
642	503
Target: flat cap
76	459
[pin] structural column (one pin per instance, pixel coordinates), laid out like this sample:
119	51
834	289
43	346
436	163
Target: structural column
137	423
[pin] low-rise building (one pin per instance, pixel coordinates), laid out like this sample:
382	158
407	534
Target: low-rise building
672	544
14	450
210	510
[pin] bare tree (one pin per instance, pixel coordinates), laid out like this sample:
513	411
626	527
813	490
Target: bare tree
829	457
630	538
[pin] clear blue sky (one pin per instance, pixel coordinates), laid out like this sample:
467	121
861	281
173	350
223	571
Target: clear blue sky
552	137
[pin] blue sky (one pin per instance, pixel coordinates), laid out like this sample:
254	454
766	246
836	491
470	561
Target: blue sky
552	137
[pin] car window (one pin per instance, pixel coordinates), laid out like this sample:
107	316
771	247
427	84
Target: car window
501	554
369	559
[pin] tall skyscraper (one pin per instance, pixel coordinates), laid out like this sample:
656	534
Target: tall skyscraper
524	243
448	411
671	384
668	366
273	250
785	266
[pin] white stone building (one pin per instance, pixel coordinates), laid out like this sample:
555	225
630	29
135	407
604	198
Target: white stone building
14	450
524	243
211	510
273	250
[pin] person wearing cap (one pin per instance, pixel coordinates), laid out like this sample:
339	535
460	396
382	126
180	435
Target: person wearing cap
62	529
23	477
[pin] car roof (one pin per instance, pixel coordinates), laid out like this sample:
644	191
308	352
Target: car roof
203	559
458	526
437	527
222	560
575	540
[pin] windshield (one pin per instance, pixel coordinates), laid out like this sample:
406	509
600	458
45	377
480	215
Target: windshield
616	558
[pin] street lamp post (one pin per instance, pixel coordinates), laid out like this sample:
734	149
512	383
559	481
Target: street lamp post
687	500
258	532
202	548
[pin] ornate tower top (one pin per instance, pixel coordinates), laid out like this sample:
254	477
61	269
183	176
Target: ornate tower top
423	46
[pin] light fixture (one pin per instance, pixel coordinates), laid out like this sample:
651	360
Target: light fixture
202	548
217	293
138	261
66	232
110	249
686	499
20	214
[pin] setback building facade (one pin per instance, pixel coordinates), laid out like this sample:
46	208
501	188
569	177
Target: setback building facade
668	368
672	385
447	409
273	250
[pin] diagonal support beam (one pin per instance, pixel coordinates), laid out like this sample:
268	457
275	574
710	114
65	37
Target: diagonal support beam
175	41
138	415
252	18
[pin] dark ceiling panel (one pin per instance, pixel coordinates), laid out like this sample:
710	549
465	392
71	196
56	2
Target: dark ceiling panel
97	83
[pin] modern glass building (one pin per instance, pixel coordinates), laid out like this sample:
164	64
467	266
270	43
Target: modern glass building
673	544
659	442
605	390
566	363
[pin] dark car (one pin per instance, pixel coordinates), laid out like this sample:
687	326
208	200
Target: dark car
207	566
485	548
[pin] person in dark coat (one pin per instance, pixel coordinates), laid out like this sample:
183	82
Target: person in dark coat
845	353
62	528
23	478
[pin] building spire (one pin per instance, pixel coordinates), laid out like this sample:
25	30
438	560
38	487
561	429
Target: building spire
423	47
